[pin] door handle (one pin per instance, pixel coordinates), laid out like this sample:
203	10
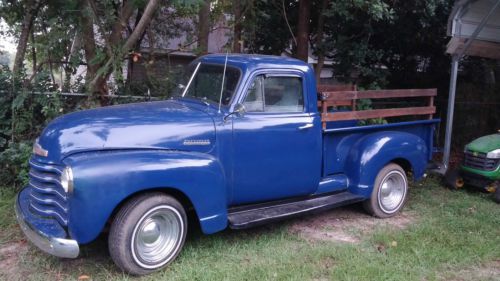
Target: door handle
306	126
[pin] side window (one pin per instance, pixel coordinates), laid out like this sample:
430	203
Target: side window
275	94
254	102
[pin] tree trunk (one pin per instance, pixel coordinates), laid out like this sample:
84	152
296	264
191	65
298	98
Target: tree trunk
98	84
31	8
121	22
88	40
237	26
68	67
203	26
303	30
33	51
137	48
319	41
139	29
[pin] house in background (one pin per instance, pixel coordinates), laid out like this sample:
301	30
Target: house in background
170	54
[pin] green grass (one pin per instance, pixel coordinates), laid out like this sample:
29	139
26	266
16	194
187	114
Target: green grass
453	231
8	226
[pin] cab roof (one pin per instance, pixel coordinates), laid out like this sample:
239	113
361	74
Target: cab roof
252	61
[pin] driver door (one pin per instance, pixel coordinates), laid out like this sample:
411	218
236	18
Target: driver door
277	146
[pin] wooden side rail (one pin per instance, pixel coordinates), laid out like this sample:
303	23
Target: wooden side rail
333	99
336	87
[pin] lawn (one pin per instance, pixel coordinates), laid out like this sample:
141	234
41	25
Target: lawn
446	235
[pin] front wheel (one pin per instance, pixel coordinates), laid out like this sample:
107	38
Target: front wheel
389	192
147	233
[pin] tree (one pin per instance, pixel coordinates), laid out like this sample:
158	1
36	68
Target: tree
318	44
31	7
267	26
237	28
387	43
203	26
302	52
115	50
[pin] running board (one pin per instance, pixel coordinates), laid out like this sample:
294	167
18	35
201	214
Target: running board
258	215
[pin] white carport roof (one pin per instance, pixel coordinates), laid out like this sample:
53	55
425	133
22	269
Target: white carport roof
474	27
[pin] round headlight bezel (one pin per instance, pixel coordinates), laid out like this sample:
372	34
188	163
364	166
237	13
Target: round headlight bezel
67	179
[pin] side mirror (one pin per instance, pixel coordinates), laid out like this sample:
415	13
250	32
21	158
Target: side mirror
239	110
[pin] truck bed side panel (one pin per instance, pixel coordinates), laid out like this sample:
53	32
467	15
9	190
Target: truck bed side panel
360	152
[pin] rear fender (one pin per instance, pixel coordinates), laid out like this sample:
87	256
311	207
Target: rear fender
103	180
372	152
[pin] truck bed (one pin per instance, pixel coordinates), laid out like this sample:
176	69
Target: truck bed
373	146
338	141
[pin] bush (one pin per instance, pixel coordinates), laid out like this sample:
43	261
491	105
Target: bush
23	116
14	167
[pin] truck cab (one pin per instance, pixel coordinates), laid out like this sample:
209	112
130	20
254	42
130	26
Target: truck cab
248	140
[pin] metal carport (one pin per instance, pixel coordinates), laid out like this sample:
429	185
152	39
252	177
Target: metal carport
474	27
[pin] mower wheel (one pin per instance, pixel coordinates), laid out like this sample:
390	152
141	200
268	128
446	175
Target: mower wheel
453	179
496	196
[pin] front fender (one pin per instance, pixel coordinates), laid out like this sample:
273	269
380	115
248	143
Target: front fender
372	152
102	180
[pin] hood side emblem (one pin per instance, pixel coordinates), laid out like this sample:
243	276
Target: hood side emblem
196	142
38	150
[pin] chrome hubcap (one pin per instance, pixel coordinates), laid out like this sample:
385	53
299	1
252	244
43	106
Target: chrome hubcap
157	237
392	192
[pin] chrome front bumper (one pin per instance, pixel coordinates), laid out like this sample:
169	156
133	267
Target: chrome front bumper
59	247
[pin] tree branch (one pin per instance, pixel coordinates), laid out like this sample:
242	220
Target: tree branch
287	23
131	40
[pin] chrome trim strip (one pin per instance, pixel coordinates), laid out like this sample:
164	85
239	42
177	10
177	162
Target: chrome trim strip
59	247
44	179
50	213
47	190
49	202
45	167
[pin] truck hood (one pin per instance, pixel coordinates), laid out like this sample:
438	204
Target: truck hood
149	125
485	144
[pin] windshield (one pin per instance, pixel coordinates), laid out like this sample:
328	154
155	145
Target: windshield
207	83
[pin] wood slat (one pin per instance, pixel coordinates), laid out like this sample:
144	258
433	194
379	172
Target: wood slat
338	87
377	113
377	94
334	103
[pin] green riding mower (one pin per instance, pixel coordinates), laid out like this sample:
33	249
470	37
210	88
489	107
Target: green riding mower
480	167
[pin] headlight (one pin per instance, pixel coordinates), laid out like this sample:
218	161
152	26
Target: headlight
67	179
495	154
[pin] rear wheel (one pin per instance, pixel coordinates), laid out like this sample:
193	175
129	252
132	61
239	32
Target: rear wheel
148	233
389	192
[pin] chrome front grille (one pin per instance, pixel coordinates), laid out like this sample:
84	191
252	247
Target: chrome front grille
47	197
478	160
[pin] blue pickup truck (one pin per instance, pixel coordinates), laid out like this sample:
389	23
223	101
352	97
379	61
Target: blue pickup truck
244	143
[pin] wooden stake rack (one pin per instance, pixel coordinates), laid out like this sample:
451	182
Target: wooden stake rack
334	99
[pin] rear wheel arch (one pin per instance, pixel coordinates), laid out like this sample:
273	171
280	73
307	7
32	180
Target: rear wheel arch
405	164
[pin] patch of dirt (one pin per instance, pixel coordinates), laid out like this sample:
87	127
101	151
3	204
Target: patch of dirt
486	272
346	225
9	258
